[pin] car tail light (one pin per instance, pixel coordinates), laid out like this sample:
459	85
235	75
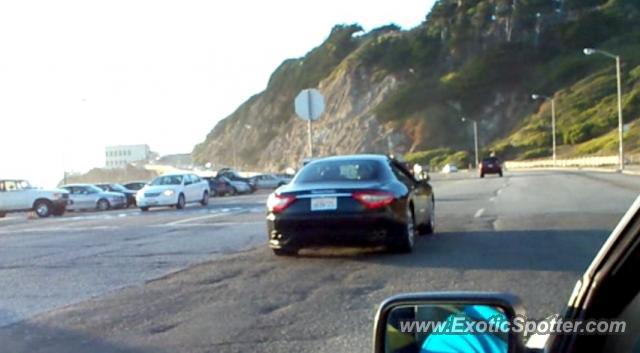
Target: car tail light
374	199
278	203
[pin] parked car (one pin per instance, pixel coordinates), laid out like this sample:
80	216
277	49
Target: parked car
234	176
135	185
129	194
490	165
18	195
285	177
350	199
607	293
91	197
219	187
450	168
269	181
237	186
175	189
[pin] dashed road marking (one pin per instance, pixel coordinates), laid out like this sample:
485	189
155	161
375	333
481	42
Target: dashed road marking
479	213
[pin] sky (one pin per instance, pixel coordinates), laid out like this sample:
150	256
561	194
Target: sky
76	76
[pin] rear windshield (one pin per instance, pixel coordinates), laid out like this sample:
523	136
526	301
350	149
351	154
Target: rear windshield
348	170
490	160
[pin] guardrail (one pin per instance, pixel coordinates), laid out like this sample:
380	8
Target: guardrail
593	161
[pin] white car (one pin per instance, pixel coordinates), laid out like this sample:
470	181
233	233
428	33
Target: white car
176	189
18	195
450	168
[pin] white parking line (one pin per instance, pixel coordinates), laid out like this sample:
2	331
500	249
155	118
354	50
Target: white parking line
187	220
479	213
57	230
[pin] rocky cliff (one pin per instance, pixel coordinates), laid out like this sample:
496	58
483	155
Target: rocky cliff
404	92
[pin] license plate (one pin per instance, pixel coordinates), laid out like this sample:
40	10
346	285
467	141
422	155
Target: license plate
324	204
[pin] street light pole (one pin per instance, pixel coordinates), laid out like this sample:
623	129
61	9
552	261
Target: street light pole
553	128
590	51
553	122
475	138
620	122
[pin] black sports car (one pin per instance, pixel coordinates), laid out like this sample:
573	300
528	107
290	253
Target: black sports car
350	199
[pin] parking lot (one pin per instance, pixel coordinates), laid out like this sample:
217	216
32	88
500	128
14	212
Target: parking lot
84	254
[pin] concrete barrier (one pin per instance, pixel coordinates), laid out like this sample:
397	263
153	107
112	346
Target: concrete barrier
581	162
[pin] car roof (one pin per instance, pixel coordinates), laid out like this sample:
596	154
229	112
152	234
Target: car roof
78	184
174	173
371	157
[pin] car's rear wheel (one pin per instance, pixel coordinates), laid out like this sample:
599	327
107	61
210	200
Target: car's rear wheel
181	202
42	208
482	175
103	205
234	191
205	199
3	214
500	174
144	209
408	238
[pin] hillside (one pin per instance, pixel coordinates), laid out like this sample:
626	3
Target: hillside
404	92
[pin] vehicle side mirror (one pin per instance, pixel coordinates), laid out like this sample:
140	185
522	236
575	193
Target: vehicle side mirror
448	322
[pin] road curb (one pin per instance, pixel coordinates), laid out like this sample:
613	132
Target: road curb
576	169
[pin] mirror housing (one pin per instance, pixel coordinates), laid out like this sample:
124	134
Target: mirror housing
507	305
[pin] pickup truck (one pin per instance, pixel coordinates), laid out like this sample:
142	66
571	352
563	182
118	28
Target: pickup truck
18	196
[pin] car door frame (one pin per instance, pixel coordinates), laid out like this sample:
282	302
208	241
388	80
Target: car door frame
609	258
190	188
23	197
10	196
200	186
420	192
87	201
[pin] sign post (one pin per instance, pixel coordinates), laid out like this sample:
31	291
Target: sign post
309	106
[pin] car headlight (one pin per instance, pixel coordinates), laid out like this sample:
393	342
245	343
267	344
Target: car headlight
168	192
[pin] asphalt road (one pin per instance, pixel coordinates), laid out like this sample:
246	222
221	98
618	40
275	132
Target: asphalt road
63	280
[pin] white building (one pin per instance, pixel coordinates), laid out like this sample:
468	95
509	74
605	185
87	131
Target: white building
120	156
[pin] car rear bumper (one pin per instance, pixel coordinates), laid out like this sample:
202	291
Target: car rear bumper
491	170
286	231
118	203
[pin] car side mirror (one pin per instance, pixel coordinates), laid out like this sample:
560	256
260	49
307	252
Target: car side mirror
448	322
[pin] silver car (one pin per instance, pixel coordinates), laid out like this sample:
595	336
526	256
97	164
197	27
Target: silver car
270	181
91	197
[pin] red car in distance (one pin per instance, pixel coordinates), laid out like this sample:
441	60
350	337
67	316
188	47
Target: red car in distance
490	165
